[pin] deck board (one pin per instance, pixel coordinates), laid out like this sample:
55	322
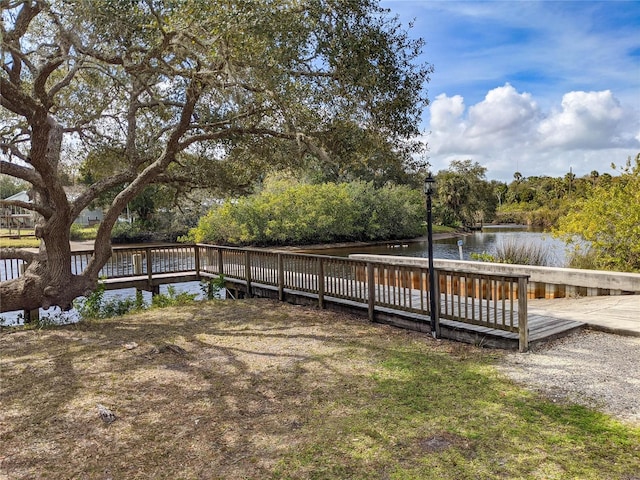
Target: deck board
541	328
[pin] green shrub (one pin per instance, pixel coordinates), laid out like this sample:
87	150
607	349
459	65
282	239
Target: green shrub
211	288
608	219
583	258
172	298
95	306
136	232
483	257
288	212
80	233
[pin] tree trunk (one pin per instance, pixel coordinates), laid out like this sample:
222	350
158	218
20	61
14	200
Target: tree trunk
47	280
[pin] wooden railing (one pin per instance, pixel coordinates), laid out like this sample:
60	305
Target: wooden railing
486	300
492	301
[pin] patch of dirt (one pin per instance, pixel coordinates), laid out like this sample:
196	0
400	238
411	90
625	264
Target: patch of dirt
213	390
441	442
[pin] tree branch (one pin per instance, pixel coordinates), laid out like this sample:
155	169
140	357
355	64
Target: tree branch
13	150
23	173
94	191
15	100
45	212
27	13
41	80
66	80
18	254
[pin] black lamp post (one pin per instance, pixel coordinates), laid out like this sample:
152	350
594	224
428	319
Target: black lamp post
429	187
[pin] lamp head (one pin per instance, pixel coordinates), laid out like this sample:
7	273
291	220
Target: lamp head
429	184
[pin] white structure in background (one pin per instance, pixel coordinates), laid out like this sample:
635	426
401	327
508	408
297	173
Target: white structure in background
18	217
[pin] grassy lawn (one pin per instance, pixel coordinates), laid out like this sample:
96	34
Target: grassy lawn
261	390
11	239
23	242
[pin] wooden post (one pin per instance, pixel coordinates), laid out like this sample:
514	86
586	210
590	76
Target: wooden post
147	252
523	323
156	290
320	283
247	271
371	286
280	278
196	256
136	260
220	262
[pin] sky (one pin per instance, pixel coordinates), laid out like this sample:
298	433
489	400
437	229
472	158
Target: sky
537	87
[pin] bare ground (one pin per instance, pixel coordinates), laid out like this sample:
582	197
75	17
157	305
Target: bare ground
230	390
194	396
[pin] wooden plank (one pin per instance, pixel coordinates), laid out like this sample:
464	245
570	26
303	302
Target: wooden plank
480	306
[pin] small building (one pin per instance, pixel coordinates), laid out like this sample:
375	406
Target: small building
12	216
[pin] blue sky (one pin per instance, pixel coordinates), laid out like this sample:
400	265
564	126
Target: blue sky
538	87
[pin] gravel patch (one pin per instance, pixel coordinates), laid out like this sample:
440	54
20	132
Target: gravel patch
590	368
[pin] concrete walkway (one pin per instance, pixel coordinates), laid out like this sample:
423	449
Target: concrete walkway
615	314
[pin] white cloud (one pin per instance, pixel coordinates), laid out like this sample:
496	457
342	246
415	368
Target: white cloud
446	112
494	123
587	120
508	131
503	111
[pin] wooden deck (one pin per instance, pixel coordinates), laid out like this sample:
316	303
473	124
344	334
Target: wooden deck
541	328
482	308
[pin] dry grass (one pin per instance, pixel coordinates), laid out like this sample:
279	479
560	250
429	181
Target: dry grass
229	407
260	389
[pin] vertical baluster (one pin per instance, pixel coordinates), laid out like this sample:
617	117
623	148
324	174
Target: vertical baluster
371	300
512	299
449	291
462	295
503	300
473	298
422	289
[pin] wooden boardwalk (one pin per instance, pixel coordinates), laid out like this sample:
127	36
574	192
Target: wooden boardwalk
541	328
483	308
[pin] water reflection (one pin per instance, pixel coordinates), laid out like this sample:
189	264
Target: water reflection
485	241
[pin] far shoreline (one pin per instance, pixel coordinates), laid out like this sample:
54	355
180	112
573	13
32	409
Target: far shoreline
89	244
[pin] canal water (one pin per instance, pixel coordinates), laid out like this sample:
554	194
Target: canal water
485	241
488	240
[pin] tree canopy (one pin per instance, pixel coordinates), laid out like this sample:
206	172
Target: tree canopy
464	197
187	92
608	219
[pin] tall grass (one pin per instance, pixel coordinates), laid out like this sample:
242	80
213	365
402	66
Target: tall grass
518	253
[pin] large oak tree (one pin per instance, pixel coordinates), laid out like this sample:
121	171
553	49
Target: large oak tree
149	91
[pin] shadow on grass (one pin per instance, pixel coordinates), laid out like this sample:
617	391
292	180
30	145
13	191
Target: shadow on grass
261	389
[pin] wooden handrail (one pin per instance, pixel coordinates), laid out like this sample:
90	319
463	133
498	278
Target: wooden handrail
497	301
